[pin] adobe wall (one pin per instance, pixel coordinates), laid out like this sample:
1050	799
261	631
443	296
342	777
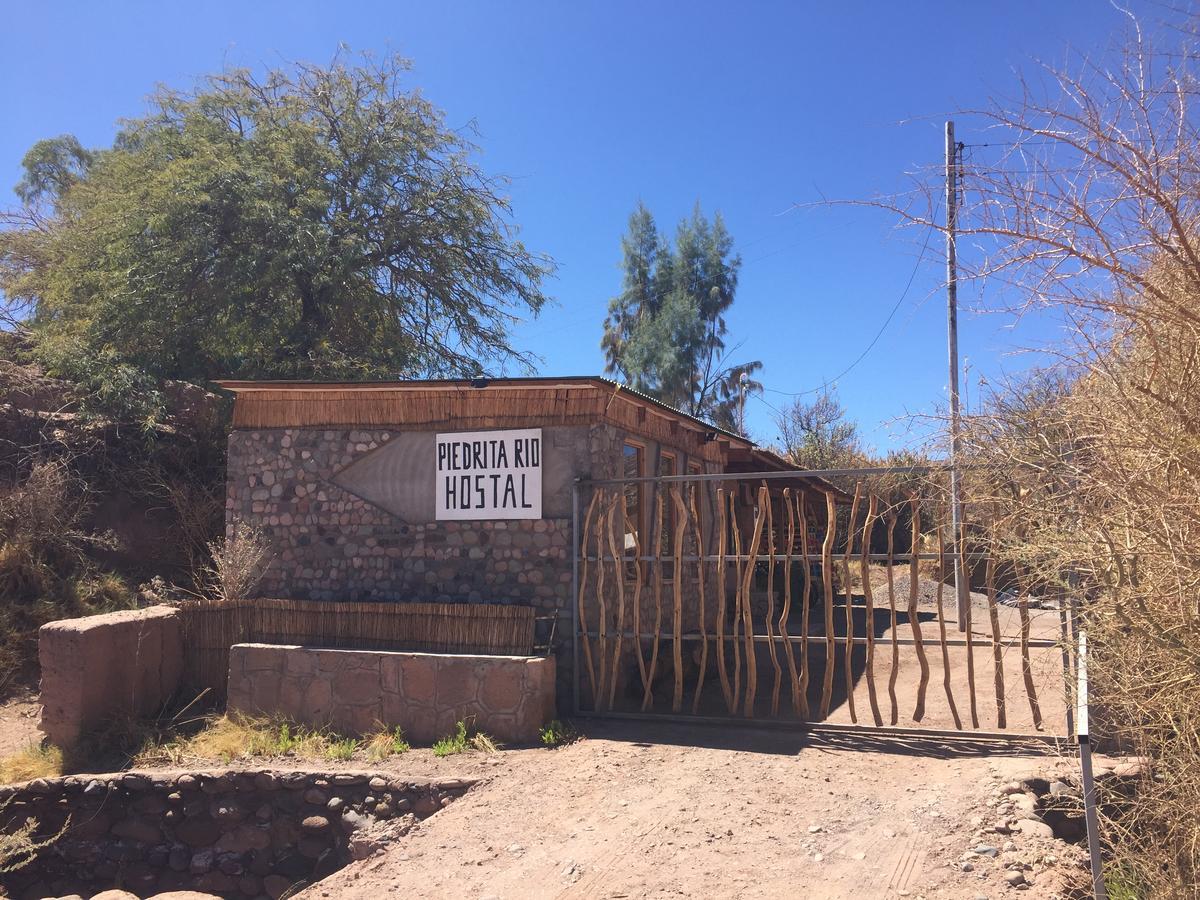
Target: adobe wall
425	694
98	667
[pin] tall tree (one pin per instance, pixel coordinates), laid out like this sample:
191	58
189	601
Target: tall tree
312	222
817	435
665	332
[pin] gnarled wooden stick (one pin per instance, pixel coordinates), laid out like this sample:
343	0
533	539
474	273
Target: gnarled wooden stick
602	631
827	583
869	598
971	699
722	599
788	650
1026	665
681	513
585	640
913	618
633	530
747	609
648	696
805	601
771	608
891	579
700	572
997	648
941	616
618	566
737	604
848	648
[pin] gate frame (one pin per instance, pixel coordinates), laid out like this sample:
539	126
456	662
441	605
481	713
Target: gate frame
1070	674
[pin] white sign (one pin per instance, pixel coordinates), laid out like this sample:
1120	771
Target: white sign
490	474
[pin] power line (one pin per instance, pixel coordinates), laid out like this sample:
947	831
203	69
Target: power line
891	315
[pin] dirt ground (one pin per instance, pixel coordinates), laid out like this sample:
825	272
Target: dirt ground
655	811
18	722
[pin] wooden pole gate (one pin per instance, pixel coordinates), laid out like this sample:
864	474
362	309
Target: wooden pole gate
779	598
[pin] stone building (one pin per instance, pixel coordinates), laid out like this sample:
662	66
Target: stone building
448	490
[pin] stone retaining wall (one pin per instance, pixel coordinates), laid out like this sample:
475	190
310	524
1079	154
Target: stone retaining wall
231	833
355	691
98	667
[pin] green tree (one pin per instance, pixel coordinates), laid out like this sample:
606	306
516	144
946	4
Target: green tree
665	332
312	222
817	435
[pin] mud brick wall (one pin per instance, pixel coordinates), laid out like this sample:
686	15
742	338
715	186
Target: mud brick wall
233	833
426	694
98	667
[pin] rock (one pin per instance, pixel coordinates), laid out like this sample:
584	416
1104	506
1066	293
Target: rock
815	829
228	812
1034	828
138	830
361	848
1059	788
1132	769
1035	786
315	824
135	782
1025	803
266	781
378	784
1009	847
335	805
185	895
179	858
95	788
985	850
967	867
353	820
818	857
1014	878
202	862
383	810
1013	787
114	894
316	797
1001	827
198	832
276	886
219	785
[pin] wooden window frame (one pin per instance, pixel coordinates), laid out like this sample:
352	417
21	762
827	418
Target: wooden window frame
639	517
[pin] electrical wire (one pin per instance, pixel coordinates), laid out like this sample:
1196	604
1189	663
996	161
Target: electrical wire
891	315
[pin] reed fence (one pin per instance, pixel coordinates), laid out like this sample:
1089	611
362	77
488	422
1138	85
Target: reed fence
211	628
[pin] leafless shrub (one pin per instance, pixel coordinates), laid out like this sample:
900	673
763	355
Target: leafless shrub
19	847
239	562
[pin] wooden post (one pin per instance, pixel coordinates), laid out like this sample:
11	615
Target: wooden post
700	573
997	649
583	581
941	616
648	697
618	566
771	605
891	580
737	604
747	609
681	513
722	599
637	598
869	599
787	603
827	584
805	601
913	618
848	648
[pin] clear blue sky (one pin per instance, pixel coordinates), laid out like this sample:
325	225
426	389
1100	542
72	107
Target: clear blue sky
746	107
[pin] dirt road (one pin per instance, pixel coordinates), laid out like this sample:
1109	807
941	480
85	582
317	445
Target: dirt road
640	810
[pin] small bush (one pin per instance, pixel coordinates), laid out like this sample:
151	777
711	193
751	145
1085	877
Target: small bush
341	748
238	562
236	736
461	741
454	743
384	743
558	734
35	761
19	848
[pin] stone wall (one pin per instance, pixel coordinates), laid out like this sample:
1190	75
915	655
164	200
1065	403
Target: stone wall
354	691
98	667
233	833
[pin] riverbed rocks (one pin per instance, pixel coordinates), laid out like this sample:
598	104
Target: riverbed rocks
183	836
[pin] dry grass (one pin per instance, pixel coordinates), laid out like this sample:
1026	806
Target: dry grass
19	847
234	736
238	562
35	761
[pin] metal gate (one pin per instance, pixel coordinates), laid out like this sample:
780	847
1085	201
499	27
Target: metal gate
778	596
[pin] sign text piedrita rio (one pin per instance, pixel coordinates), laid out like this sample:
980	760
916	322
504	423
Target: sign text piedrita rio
490	474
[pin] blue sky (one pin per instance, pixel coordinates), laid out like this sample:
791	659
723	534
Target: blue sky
589	107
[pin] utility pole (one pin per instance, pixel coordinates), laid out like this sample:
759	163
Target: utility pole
961	584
